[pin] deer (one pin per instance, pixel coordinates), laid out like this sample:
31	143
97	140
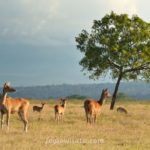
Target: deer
59	110
9	105
92	106
38	108
122	110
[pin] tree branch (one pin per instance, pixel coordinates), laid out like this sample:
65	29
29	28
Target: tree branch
114	64
142	67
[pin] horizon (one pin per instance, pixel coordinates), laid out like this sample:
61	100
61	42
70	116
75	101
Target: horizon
76	84
130	89
38	46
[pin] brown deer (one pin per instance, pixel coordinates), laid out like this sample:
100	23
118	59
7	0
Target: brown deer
59	110
10	105
122	110
38	108
92	107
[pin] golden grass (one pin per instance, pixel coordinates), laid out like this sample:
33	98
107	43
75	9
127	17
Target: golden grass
113	131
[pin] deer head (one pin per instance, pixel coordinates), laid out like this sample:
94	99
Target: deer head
106	93
43	104
8	88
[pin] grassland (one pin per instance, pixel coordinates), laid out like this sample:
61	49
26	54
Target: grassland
113	131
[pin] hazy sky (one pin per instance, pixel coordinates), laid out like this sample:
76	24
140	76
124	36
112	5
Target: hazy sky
37	37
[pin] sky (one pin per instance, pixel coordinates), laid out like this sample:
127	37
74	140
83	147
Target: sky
37	37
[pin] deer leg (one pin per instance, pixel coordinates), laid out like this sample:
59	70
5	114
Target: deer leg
87	116
59	118
94	118
2	120
21	116
87	119
25	122
90	119
39	116
62	117
7	120
24	119
56	116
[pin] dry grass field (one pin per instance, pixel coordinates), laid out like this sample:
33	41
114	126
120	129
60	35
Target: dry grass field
113	131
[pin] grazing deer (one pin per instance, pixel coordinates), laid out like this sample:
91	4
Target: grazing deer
122	110
10	105
92	107
38	108
59	110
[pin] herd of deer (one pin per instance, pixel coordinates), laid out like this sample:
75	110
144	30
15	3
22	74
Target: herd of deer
9	105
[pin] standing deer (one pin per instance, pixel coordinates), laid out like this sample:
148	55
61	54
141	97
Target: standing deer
10	105
38	108
59	110
92	107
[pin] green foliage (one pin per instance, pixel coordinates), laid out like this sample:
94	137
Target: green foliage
117	43
123	96
79	97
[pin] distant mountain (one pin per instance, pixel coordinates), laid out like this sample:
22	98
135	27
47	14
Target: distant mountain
137	90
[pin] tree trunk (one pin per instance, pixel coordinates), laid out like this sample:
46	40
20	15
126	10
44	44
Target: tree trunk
115	91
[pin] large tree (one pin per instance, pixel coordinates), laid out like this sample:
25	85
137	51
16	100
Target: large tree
119	45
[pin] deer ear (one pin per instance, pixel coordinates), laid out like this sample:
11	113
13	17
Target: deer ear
6	84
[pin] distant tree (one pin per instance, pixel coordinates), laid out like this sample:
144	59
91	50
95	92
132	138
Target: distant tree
121	95
119	45
76	97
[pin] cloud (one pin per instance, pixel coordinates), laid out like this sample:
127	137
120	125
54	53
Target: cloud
54	22
47	22
27	20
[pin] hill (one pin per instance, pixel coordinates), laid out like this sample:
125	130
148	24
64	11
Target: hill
136	90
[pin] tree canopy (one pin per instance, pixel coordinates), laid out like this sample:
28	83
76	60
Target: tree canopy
119	45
